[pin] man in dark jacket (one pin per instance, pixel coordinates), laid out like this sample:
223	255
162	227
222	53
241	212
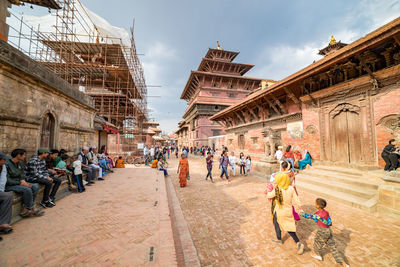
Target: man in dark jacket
391	160
36	172
16	182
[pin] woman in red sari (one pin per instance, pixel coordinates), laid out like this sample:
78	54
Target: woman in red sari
183	170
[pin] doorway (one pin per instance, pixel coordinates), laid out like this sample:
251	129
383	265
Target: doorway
347	137
47	132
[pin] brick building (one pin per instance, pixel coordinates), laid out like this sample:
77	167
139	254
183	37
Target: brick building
343	109
215	85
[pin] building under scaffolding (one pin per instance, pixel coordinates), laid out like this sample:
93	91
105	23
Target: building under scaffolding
96	58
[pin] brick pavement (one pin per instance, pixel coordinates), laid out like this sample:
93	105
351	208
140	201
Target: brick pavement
114	223
230	224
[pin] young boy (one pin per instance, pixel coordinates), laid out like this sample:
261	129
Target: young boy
61	169
324	233
209	161
77	164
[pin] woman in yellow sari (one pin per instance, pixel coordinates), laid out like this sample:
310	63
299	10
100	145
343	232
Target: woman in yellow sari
284	195
183	170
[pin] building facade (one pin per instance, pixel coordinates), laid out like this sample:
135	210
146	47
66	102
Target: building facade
343	108
215	85
39	109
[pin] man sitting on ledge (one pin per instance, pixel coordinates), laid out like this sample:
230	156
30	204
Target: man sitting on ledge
36	172
94	161
16	182
90	172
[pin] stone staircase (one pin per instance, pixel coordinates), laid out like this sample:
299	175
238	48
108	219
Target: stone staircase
349	186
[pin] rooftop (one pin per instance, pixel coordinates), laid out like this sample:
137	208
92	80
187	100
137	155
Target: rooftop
390	30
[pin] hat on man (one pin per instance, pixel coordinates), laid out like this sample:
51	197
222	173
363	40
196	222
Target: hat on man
85	148
43	150
94	147
2	156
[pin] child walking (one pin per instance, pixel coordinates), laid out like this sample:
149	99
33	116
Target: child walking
248	165
209	161
324	233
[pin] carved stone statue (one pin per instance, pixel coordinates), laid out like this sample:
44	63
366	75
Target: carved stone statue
271	142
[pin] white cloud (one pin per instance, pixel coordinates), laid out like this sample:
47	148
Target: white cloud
280	61
157	58
377	11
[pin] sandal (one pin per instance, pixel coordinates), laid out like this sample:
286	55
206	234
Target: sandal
6	231
26	214
37	212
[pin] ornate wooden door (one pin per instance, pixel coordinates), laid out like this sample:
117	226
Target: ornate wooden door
347	142
340	150
354	136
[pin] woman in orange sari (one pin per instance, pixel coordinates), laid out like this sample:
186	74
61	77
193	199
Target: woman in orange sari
183	170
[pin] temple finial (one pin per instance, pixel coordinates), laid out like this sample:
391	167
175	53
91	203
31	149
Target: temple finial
333	41
218	46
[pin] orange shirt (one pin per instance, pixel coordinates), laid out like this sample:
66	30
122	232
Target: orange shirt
120	164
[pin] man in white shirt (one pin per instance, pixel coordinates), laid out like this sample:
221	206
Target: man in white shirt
232	161
152	152
94	162
279	154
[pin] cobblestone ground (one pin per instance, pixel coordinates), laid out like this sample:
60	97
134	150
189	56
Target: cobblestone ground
114	223
231	225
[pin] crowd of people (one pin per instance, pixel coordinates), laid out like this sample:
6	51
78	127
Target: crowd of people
46	168
281	191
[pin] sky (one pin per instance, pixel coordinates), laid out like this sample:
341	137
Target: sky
278	37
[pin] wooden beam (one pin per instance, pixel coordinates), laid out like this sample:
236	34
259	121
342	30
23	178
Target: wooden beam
240	118
397	39
272	106
280	105
261	108
252	112
292	96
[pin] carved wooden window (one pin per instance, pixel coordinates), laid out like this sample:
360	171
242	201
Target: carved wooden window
216	132
241	141
254	140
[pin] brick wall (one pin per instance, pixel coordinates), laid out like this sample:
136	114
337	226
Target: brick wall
309	140
384	105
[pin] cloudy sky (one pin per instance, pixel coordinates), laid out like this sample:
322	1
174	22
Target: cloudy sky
279	37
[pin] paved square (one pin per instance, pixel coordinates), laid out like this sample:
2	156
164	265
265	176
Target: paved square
114	223
231	225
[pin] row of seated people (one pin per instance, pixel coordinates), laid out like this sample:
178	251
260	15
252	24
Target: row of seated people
45	168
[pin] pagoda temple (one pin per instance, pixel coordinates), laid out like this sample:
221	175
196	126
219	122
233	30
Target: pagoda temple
217	84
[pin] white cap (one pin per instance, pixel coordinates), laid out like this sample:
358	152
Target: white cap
85	148
94	147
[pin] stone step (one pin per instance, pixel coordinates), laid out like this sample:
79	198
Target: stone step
350	180
346	171
346	198
339	185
